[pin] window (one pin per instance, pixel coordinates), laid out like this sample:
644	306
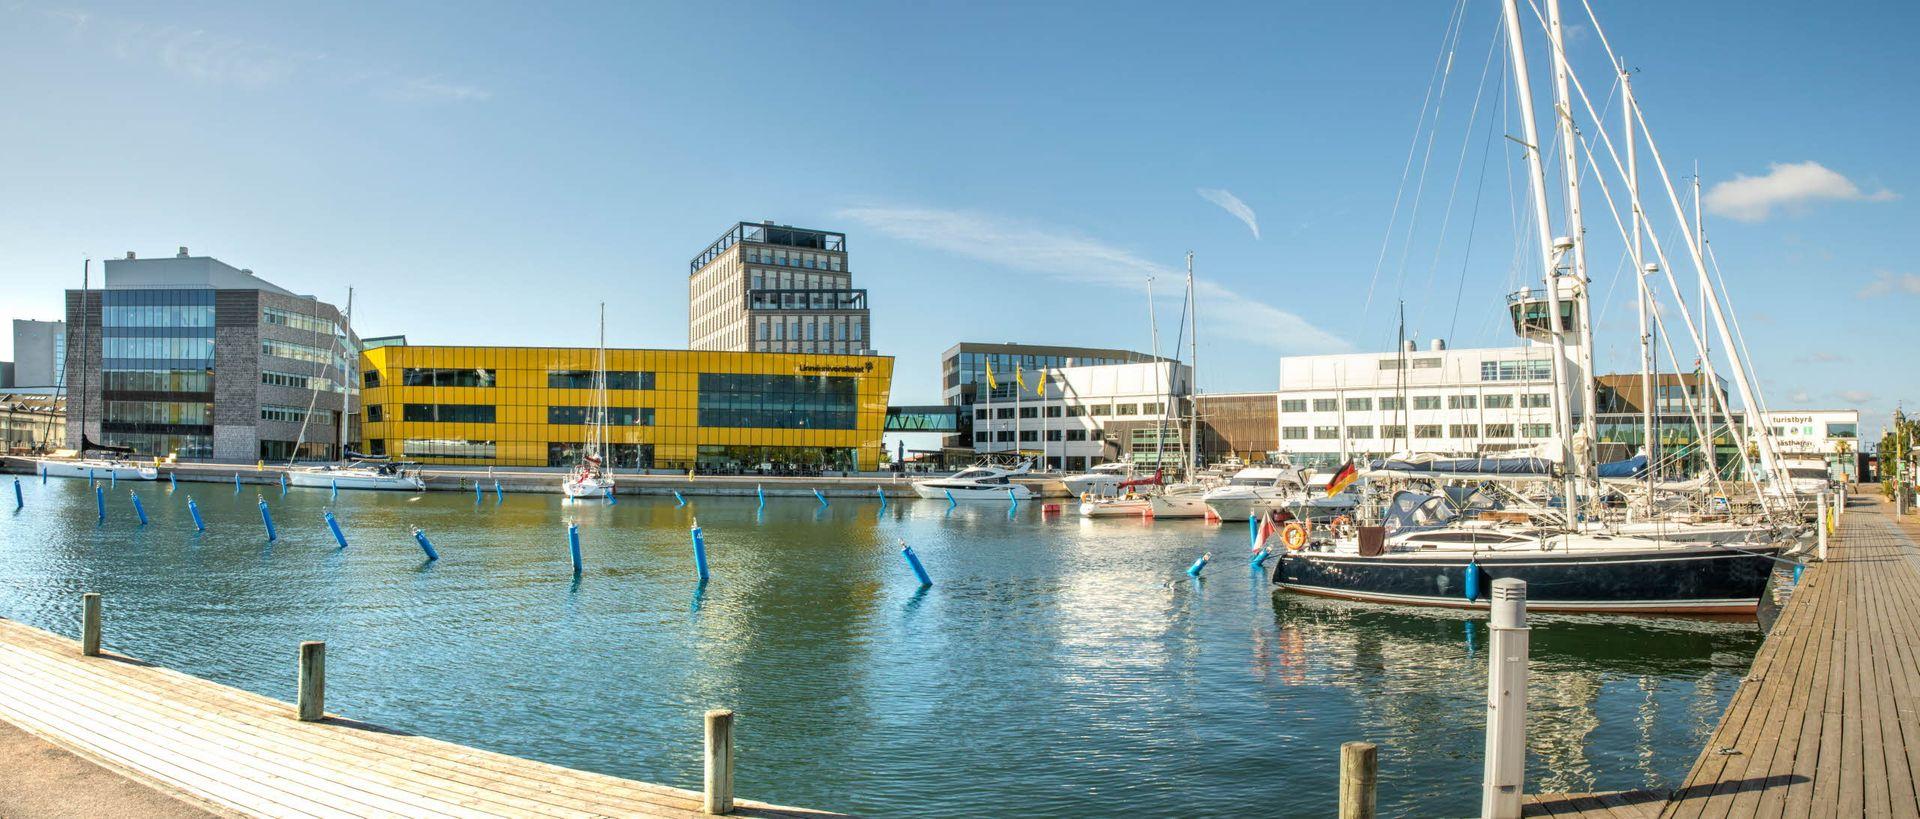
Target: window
1126	409
300	382
1099	410
1426	402
269	412
1004	435
452	413
1499	430
583	380
1076	435
982	436
472	377
1393	432
1053	411
1326	433
1463	431
780	401
1360	432
1359	404
1530	370
376	413
370	379
440	448
1392	402
1461	401
297	352
1076	411
1426	431
1029	435
1326	404
1535	400
980	414
1154	408
1053	435
1293	433
1502	401
1003	412
1293	405
1535	430
1426	363
1843	430
298	321
616	416
1029	412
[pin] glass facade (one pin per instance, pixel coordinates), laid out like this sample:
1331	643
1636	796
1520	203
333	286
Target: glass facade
668	409
157	371
969	370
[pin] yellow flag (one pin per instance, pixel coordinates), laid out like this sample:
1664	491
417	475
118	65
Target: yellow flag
1041	388
1020	376
991	384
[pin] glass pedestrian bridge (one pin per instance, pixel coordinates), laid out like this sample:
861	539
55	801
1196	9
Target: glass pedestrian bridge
930	418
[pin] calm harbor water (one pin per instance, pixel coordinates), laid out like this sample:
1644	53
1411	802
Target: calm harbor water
1063	666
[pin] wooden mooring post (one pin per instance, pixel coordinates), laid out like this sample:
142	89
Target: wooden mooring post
90	624
719	780
1359	768
311	700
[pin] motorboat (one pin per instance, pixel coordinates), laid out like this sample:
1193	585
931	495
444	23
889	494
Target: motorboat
1418	556
359	474
1256	490
102	468
1100	481
1130	505
977	483
1182	500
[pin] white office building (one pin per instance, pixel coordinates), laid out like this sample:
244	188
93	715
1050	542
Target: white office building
1336	407
39	354
1832	436
1087	415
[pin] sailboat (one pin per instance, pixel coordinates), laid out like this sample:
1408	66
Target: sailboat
115	466
591	477
1187	499
1424	552
354	470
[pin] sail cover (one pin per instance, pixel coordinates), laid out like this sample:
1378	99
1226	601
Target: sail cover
1634	467
90	445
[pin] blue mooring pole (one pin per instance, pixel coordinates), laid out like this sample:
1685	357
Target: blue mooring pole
1199	565
100	501
476	493
336	488
823	498
950	501
334	524
425	544
573	545
678	501
1253	531
762	492
1014	498
19	500
699	551
43	473
113	478
883	496
194	510
283	483
1260	558
236	483
499	495
172	484
138	510
266	518
914	561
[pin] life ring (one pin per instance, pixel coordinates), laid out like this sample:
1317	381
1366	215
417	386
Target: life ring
1086	497
1342	526
1294	535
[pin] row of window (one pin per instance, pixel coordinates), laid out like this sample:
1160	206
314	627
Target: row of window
297	352
159	412
1530	400
194	349
1070	411
270	412
456	413
1395	431
298	381
1529	370
778	401
298	321
616	416
1006	435
809	261
159	380
808	328
487	377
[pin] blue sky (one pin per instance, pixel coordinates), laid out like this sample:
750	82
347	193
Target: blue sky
486	173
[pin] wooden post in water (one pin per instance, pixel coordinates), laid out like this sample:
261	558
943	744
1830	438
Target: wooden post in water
90	624
1359	767
1506	757
719	790
312	697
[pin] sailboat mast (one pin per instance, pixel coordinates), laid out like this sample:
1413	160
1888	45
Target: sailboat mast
1708	447
348	376
1537	182
1161	386
86	272
1640	273
1577	233
1193	376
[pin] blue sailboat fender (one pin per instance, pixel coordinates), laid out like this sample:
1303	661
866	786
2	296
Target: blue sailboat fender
1473	580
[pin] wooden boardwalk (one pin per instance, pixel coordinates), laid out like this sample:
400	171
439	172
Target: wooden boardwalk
1826	723
237	753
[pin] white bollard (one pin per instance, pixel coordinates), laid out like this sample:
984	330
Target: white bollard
1839	504
1506	770
1820	524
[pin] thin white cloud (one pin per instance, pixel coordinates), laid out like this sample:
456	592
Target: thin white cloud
1785	185
1232	204
1886	283
1026	247
1855	396
213	58
1800	397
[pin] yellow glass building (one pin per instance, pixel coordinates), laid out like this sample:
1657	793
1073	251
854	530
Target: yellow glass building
718	412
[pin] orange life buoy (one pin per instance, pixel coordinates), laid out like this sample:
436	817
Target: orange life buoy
1294	534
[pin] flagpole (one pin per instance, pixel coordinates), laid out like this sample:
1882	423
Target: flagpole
1017	378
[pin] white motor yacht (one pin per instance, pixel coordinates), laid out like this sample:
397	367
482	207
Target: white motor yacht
1256	491
976	483
1100	481
358	474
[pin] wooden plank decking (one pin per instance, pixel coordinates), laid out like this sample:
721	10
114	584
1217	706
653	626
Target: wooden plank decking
239	753
1826	722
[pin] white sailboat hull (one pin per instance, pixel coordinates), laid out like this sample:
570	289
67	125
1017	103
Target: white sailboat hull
939	490
1179	506
1116	508
104	470
587	488
353	479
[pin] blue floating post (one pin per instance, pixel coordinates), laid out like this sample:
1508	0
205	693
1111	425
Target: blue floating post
762	492
1014	498
100	501
236	483
678	500
113	478
699	551
499	495
425	544
172	484
43	473
266	517
89	476
194	510
823	498
138	510
950	501
1472	589
333	523
573	545
283	483
335	482
883	496
1797	567
1199	565
914	561
476	493
1260	558
19	500
1253	531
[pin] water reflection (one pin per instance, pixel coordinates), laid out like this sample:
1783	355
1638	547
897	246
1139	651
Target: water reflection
1057	661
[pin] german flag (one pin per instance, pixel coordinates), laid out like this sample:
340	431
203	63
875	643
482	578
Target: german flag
1342	479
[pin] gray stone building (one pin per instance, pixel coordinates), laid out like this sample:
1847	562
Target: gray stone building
190	356
39	353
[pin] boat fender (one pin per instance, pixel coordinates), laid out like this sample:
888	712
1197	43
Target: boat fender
1294	535
1473	581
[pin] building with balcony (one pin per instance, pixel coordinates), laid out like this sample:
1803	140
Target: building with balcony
717	412
776	289
190	356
